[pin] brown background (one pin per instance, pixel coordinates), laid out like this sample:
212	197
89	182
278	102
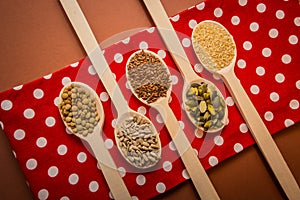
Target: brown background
36	39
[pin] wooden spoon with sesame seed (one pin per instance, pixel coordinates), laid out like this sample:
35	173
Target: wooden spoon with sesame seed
251	116
220	58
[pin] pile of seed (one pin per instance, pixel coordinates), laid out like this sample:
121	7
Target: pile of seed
78	109
148	76
214	45
138	142
205	106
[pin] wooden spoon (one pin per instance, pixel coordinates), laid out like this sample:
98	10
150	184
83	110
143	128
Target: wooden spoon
258	129
95	140
190	160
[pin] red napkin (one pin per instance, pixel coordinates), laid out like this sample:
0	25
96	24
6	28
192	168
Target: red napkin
57	165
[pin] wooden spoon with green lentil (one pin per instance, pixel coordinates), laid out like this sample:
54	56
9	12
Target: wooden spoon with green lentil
216	50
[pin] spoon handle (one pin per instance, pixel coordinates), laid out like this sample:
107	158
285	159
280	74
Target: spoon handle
95	53
107	165
262	136
89	42
170	38
189	158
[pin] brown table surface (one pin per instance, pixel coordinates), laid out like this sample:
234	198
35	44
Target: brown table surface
36	39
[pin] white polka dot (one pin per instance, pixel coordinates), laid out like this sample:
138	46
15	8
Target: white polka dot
294	104
110	195
38	93
174	79
172	146
286	58
260	71
242	2
161	53
254	89
73	179
274	97
43	194
241	63
47	76
254	26
74	64
122	171
235	20
160	187
50	121
196	151
273	33
186	42
269	116
55	101
238	147
185	174
150	30
266	52
65	81
192	23
261	8
297	21
91	70
41	142
142	110
279	78
31	164
229	101
64	198
93	186
200	6
19	134
62	149
243	128
159	118
288	122
118	58
68	131
279	14
19	87
143	45
109	143
218	12
218	140
216	76
134	198
181	124
114	123
104	96
298	84
167	166
52	171
126	40
140	179
175	18
198	68
81	157
213	160
6	105
1	125
29	113
293	39
247	45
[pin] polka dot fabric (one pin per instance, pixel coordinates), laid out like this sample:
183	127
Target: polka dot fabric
58	165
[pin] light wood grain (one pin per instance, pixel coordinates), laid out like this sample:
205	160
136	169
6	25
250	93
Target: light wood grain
188	156
262	136
89	42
